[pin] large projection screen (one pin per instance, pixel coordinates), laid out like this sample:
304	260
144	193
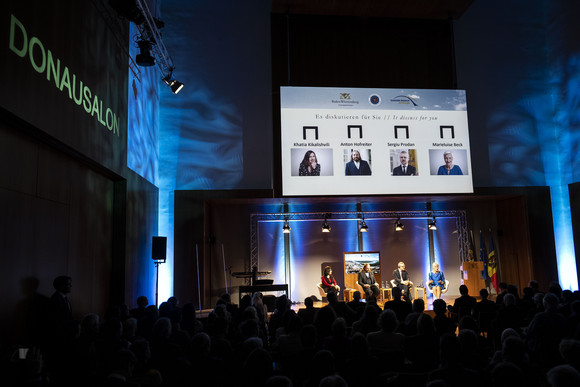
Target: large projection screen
374	141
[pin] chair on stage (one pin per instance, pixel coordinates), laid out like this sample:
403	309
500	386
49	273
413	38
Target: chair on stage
362	290
394	285
364	295
321	291
443	291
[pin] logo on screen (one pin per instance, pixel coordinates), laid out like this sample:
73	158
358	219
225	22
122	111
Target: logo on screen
374	100
344	100
404	100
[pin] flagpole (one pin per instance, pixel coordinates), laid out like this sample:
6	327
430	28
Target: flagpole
483	258
492	267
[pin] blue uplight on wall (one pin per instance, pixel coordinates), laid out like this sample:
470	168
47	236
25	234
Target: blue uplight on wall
143	131
564	237
522	78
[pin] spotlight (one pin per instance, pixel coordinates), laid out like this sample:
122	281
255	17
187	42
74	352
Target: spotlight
325	226
433	224
174	84
398	225
286	229
363	226
144	57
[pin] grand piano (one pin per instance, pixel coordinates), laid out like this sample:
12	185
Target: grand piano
258	285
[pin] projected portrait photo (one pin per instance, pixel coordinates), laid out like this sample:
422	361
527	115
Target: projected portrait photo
404	162
448	162
311	162
357	162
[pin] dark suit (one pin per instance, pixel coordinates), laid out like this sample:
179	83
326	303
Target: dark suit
59	316
307	315
463	305
59	309
370	280
357	306
343	310
351	169
401	308
411	171
400	278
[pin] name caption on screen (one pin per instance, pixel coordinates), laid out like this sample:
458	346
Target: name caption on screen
319	144
356	144
399	144
448	144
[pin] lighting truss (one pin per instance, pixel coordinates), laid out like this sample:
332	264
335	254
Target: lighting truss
459	215
149	31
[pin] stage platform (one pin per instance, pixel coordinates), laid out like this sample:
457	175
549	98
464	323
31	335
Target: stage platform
202	314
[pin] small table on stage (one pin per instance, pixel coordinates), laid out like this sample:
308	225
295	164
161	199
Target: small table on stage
263	288
423	295
385	294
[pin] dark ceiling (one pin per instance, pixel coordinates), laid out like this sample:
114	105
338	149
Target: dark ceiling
408	9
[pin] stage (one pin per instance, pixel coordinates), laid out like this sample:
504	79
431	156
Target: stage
202	314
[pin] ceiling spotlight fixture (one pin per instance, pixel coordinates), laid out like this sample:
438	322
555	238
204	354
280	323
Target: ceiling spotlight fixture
398	225
325	225
152	49
144	58
174	84
433	224
286	229
363	226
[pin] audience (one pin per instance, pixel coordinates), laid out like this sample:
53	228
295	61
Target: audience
545	332
356	304
399	304
386	344
463	306
533	341
443	323
307	313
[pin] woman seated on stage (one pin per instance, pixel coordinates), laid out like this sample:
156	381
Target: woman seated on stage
328	281
436	281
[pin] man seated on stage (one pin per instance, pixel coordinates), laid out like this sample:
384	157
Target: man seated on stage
402	280
366	279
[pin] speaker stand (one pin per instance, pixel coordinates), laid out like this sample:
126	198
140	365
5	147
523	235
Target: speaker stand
157	263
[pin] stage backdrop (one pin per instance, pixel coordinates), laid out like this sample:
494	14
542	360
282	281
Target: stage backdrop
311	250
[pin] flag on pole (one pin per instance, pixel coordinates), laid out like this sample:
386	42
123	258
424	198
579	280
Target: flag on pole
492	263
483	255
471	251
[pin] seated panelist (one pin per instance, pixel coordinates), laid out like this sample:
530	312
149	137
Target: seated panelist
402	280
328	282
436	280
366	279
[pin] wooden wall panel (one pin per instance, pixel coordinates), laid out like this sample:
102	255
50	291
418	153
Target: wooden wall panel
515	259
56	218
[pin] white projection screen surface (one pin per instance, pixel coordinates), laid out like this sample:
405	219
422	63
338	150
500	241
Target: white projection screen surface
354	141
